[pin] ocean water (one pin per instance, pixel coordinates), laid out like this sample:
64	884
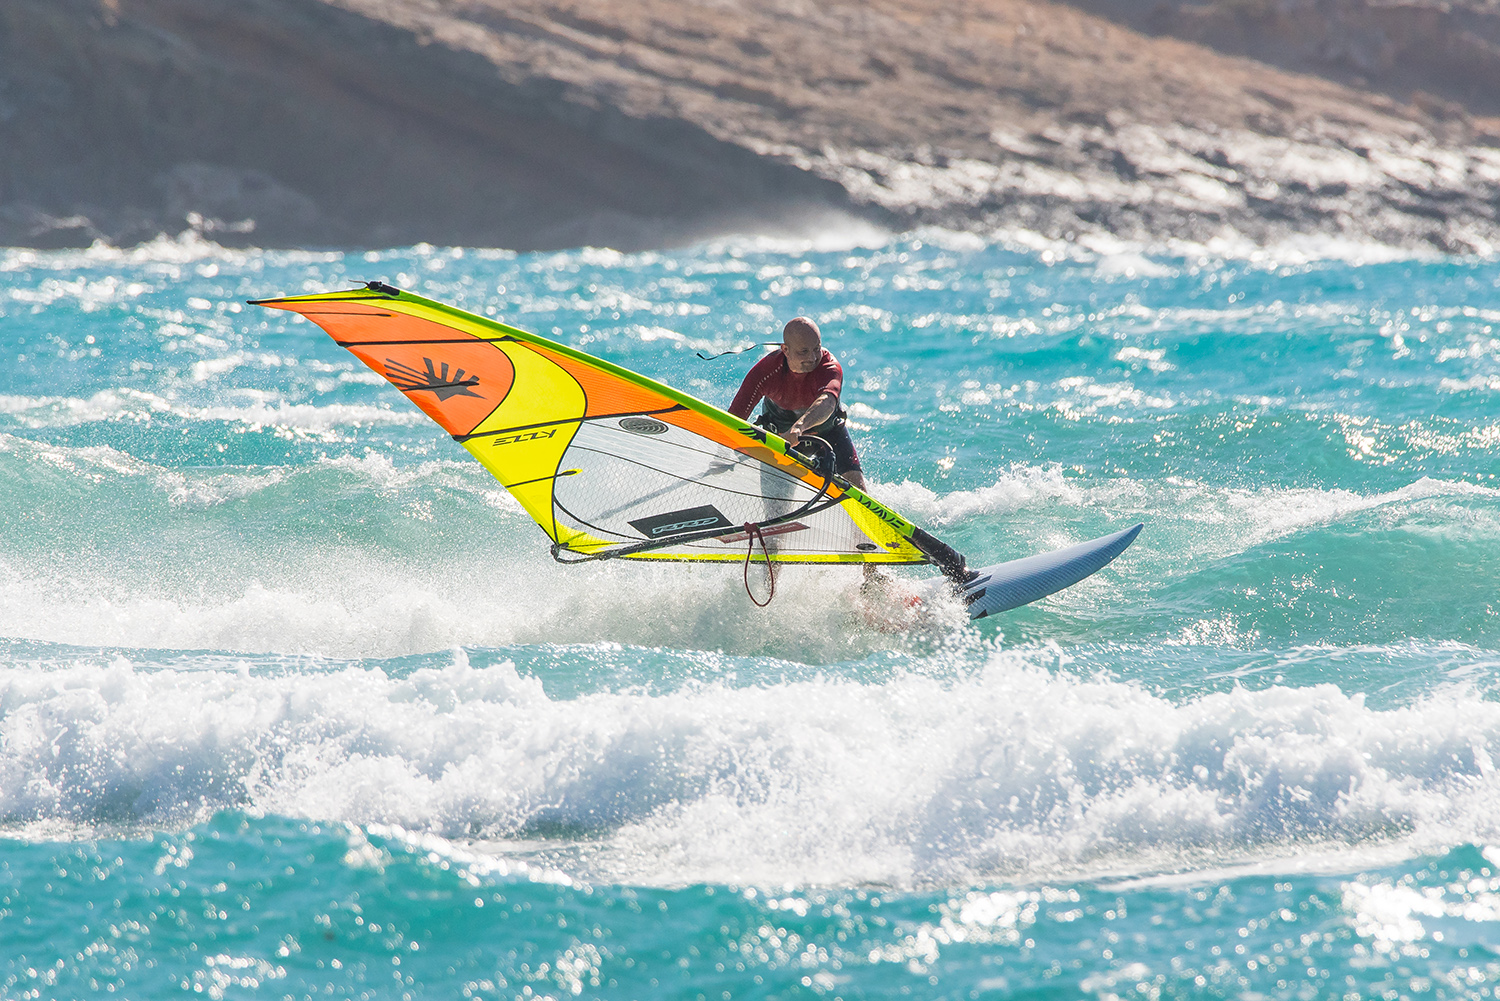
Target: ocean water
294	704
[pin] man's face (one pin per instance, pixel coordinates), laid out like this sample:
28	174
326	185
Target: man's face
803	351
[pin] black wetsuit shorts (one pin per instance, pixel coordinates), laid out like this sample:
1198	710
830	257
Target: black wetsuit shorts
845	457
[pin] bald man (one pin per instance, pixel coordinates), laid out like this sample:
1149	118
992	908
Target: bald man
800	385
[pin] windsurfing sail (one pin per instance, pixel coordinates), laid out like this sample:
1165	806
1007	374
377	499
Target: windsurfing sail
609	463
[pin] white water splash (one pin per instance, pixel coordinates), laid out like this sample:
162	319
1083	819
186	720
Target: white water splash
1005	772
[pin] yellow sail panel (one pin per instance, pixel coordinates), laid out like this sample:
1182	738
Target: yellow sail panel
522	441
607	462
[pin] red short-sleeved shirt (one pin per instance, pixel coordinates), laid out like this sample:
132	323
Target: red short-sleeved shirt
771	378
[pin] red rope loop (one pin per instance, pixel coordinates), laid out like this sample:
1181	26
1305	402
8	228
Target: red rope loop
752	532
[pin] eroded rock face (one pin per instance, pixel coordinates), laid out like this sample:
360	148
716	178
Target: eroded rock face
1442	55
539	123
1177	183
296	122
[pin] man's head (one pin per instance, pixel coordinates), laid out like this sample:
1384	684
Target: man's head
802	344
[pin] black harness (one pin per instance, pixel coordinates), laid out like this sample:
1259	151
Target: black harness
779	420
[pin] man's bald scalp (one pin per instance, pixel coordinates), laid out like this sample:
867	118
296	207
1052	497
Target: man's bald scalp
801	327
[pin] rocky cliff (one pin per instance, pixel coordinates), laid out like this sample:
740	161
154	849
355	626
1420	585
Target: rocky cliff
541	123
1440	56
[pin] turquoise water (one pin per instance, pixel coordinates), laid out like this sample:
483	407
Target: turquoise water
293	702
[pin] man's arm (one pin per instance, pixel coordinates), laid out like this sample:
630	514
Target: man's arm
822	408
752	389
831	375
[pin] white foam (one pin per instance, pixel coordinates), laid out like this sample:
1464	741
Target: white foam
1202	519
1256	516
865	412
1019	487
98	464
1005	771
92	462
477	569
822	232
259	411
187	247
322	600
1164	254
1119	260
1152	358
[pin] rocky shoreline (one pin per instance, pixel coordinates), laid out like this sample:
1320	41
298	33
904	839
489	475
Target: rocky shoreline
536	124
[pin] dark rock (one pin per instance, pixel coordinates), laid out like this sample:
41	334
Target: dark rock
536	124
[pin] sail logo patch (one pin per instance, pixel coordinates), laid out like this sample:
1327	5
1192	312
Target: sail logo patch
435	379
511	439
693	519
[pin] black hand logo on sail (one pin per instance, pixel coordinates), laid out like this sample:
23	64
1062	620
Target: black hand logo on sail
434	380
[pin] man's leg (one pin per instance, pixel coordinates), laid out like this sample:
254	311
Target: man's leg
846	464
947	559
777	500
845	458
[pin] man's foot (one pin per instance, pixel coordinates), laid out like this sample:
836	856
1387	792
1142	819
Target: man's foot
874	580
887	604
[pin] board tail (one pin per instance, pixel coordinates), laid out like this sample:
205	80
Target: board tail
1020	582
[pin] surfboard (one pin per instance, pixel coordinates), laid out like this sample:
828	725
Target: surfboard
1004	586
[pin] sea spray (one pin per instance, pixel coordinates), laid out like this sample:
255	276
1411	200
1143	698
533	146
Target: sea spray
940	773
293	700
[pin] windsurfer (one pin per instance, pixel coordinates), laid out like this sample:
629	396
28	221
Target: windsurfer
800	385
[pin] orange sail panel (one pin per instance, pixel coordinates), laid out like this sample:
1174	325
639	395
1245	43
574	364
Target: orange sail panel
608	462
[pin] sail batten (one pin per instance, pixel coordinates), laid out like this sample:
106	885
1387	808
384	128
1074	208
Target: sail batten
609	463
